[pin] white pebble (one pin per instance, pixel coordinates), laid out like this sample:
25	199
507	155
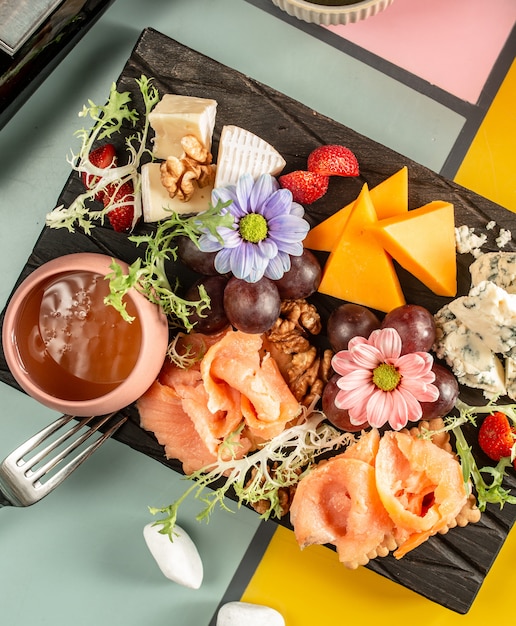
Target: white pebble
246	614
179	559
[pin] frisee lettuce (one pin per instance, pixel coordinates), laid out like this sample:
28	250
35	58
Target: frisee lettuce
487	492
149	276
108	120
259	476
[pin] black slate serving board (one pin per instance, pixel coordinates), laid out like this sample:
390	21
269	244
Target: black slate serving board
448	569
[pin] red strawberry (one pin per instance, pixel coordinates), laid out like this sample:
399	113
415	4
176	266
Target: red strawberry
102	157
496	436
333	160
121	217
306	187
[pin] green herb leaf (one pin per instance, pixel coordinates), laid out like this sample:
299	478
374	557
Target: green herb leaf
149	275
261	475
108	119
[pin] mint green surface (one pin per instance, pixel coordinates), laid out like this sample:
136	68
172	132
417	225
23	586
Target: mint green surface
79	557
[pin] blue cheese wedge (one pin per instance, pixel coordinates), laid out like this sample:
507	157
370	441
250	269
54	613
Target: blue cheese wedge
490	312
158	205
242	152
496	267
176	116
471	360
510	374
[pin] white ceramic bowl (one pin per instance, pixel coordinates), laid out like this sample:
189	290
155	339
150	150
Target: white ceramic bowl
107	365
332	15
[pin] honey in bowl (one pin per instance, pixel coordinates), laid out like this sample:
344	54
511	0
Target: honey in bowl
75	346
71	351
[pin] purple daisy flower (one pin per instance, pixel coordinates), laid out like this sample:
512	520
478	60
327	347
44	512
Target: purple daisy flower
268	228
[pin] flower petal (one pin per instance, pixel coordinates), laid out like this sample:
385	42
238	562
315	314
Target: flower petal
275	268
412	413
244	188
380	407
365	355
388	341
343	363
288	228
260	193
223	261
278	203
416	364
354	379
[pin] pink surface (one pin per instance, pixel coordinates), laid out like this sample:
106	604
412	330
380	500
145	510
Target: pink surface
450	43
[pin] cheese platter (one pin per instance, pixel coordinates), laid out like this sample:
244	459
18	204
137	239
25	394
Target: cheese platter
448	569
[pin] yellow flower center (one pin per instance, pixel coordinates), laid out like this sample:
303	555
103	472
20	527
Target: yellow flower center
386	377
253	227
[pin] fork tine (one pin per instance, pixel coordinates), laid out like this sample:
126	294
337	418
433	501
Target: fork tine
38	438
60	440
67	469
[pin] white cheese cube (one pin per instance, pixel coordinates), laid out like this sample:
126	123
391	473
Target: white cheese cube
242	152
470	359
496	267
490	312
158	205
176	116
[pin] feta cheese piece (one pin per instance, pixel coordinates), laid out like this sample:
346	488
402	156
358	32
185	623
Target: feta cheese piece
470	359
239	613
158	205
179	559
466	240
490	312
241	152
496	267
176	116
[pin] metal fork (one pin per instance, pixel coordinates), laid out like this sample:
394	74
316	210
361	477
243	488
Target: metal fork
25	482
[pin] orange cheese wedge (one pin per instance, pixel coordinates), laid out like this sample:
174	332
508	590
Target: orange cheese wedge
390	198
359	269
423	242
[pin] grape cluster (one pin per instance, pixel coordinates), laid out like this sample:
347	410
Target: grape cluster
416	327
248	307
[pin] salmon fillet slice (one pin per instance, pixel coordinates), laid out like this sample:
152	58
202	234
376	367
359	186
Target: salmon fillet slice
338	503
161	412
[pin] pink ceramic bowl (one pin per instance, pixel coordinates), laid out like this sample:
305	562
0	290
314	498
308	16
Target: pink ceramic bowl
70	351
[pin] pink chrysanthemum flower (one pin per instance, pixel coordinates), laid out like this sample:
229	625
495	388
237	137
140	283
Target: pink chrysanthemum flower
377	385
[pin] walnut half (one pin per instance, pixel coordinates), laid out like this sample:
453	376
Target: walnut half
305	368
179	174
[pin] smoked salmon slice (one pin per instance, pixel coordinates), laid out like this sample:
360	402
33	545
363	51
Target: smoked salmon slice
338	503
228	389
161	412
421	486
383	493
235	362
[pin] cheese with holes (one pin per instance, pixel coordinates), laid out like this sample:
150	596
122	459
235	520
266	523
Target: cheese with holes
158	205
358	268
176	116
423	242
390	197
242	152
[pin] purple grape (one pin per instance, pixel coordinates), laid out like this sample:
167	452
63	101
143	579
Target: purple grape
213	320
347	321
252	307
448	387
302	279
194	258
415	325
338	417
